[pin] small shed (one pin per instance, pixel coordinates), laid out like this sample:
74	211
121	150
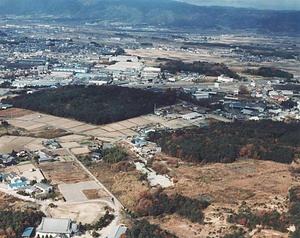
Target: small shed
28	232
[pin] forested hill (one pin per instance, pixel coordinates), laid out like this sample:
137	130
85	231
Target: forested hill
226	142
94	104
166	13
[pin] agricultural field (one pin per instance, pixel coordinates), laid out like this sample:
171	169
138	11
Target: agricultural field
64	172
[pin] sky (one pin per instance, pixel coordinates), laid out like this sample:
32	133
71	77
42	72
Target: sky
259	4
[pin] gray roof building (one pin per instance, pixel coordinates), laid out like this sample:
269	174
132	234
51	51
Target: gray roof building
56	226
43	186
117	231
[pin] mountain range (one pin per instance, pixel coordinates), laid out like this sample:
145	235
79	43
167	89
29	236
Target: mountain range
166	13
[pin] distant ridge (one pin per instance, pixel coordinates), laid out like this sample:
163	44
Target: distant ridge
158	12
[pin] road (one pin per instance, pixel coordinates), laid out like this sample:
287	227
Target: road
114	204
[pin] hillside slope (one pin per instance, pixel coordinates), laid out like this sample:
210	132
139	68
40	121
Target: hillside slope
158	12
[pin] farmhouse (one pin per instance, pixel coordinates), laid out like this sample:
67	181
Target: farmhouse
44	157
223	79
7	160
191	116
44	187
56	227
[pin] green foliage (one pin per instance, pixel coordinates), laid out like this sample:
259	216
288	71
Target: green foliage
119	51
225	142
160	203
114	155
236	234
5	84
209	69
154	13
5	124
13	223
94	104
269	72
33	182
267	219
143	229
101	223
294	209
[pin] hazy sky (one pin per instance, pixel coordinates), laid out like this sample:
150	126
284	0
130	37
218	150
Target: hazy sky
260	4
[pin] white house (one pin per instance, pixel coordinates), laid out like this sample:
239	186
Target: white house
44	187
191	116
223	79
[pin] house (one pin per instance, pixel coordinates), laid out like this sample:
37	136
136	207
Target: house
56	227
223	79
52	144
7	160
96	156
44	187
117	232
5	106
44	157
191	116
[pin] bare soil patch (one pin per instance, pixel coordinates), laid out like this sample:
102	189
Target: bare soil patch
124	185
80	212
263	185
64	172
8	201
95	193
231	183
48	132
14	112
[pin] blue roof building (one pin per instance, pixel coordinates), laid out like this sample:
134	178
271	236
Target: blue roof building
28	232
16	185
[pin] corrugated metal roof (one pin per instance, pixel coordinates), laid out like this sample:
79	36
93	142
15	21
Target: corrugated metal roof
55	225
117	231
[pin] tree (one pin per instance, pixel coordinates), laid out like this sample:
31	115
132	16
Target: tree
243	90
119	51
5	124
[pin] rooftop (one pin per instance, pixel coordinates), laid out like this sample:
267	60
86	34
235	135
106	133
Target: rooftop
55	225
117	231
27	232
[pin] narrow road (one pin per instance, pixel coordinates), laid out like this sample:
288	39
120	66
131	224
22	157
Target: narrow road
115	203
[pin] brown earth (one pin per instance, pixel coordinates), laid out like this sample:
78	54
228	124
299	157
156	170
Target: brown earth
64	172
95	193
249	180
10	202
263	185
14	112
124	185
48	132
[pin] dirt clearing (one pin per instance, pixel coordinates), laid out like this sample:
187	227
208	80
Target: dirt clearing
73	192
81	212
64	172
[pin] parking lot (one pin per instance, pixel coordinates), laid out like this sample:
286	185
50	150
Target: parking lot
73	192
